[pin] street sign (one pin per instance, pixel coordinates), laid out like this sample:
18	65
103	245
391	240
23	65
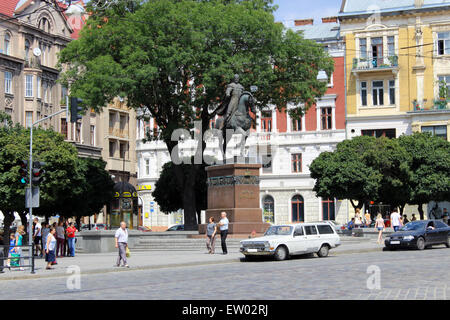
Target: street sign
32	201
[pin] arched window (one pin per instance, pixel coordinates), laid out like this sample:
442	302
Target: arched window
268	209
44	24
7	44
328	212
298	208
27	49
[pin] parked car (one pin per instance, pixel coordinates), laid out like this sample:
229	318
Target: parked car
419	235
96	226
282	241
144	229
177	227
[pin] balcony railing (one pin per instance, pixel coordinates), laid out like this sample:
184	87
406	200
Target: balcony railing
375	63
425	105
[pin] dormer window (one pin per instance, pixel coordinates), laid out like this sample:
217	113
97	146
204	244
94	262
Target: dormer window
44	24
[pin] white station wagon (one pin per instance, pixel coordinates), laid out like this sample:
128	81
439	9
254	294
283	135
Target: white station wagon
281	241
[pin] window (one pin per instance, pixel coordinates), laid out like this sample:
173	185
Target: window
123	150
377	51
28	85
377	93
326	118
112	148
147	167
64	130
266	121
50	95
123	122
27	49
298	208
324	229
268	209
439	131
363	48
8	82
391	46
44	88
445	79
392	92
310	230
389	133
28	119
328	212
296	124
92	132
7	44
297	162
298	231
111	120
77	132
364	93
38	87
443	43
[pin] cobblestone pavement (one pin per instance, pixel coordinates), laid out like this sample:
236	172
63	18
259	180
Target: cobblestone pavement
403	275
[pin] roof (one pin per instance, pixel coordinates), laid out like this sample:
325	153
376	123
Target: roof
7	7
354	7
320	31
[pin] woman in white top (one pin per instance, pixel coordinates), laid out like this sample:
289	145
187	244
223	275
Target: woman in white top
379	225
358	220
50	248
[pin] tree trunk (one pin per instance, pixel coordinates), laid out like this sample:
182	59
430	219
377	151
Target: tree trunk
189	200
420	208
402	207
199	216
78	222
23	219
359	205
7	221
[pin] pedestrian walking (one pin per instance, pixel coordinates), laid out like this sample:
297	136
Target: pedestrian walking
19	241
12	261
121	237
211	230
60	239
37	236
379	225
70	232
223	227
66	239
50	255
45	232
395	220
358	221
367	218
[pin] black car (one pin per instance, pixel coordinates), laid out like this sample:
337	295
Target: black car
419	234
177	227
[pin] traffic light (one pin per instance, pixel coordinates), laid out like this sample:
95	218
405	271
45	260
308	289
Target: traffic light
23	171
75	110
38	173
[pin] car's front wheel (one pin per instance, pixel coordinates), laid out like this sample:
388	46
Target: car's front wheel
323	252
420	244
281	253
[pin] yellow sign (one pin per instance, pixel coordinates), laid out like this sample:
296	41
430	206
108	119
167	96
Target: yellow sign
144	187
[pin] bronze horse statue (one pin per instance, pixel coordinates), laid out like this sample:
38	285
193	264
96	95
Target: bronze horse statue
238	119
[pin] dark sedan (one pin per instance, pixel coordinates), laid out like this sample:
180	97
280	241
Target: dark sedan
419	235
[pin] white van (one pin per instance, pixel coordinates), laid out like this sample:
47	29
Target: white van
282	241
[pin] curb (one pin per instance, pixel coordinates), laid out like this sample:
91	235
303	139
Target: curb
162	266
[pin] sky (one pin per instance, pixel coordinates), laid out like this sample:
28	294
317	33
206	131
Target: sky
290	10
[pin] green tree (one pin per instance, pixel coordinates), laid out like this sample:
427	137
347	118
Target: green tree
167	191
430	167
173	59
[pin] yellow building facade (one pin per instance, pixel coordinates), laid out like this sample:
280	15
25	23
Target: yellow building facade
395	57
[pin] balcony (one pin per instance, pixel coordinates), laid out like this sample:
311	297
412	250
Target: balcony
435	105
372	64
120	133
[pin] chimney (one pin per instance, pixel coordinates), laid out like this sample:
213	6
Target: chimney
330	20
304	22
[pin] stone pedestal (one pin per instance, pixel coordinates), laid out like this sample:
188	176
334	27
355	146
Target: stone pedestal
234	188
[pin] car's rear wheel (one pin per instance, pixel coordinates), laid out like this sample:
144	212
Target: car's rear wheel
447	244
281	253
323	252
420	245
